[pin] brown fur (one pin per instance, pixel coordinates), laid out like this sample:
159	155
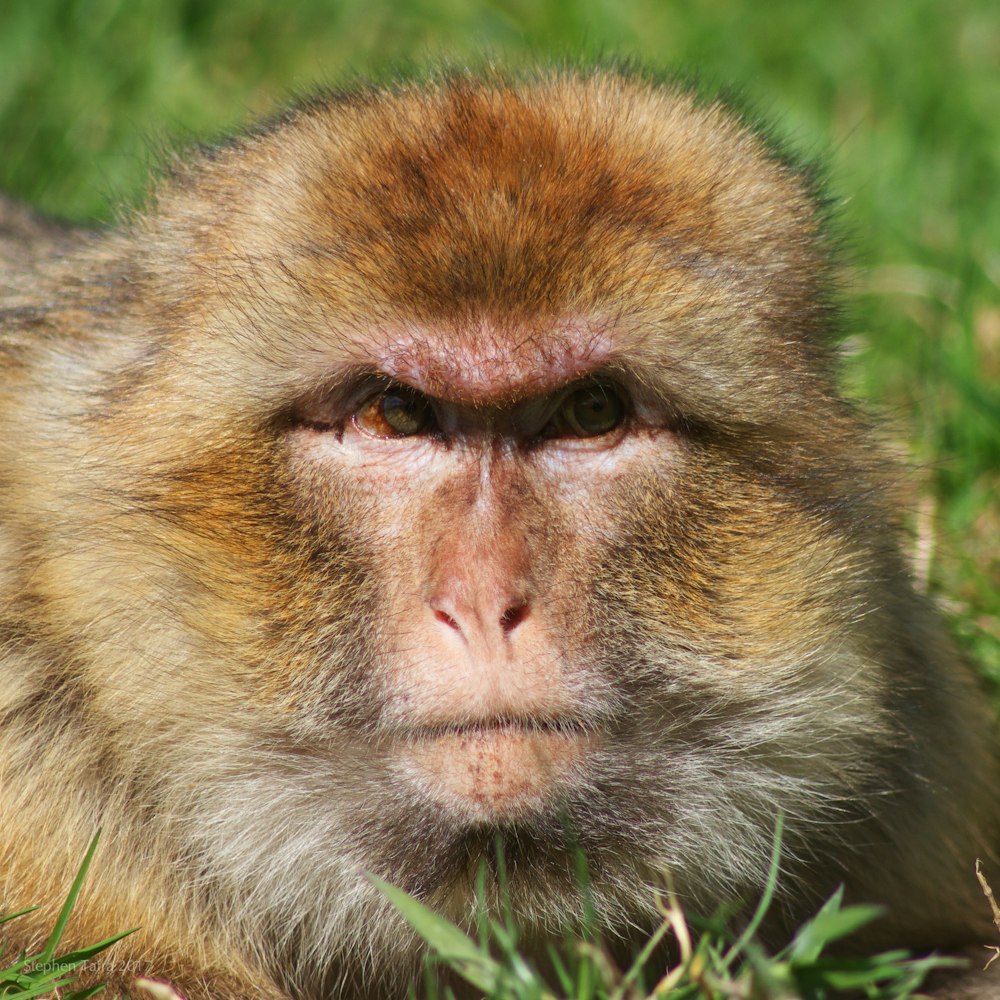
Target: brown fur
201	623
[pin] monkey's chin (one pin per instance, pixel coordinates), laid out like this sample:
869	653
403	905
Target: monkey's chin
501	773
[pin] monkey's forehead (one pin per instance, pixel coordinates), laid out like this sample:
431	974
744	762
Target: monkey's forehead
469	204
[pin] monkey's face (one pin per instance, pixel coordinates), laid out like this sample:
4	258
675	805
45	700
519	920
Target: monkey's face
484	491
509	493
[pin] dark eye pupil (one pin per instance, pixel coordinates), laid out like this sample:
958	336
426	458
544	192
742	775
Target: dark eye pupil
405	414
594	410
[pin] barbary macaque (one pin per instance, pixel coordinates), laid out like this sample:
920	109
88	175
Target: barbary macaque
448	461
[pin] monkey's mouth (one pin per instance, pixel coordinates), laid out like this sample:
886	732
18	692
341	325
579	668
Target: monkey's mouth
504	726
498	768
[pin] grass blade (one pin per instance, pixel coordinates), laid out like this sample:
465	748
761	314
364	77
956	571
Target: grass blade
57	931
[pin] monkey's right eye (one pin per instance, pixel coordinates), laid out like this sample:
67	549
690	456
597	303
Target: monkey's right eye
396	412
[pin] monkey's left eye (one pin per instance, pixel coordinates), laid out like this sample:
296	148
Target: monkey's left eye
396	412
591	410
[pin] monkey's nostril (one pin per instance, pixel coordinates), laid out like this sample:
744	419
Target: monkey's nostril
513	617
446	619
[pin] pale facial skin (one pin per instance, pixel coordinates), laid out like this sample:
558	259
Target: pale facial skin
484	693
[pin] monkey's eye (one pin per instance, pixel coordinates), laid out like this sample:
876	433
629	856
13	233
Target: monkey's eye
396	412
590	410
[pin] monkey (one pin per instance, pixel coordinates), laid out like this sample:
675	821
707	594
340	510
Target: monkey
448	460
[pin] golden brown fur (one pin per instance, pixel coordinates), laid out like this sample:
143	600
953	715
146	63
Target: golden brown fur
207	633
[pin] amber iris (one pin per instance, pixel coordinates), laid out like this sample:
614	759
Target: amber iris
397	412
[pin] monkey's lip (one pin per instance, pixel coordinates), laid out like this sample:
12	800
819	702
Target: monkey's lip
500	768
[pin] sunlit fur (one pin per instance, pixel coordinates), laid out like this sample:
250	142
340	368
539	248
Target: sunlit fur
197	626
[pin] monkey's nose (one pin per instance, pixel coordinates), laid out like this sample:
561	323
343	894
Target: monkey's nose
482	620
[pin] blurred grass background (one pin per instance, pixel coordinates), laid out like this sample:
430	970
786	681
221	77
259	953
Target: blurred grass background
900	98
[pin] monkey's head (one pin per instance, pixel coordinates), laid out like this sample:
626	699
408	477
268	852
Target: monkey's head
475	467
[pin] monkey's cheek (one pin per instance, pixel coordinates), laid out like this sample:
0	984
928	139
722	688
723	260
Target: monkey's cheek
496	774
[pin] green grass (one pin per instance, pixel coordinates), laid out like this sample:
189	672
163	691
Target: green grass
710	963
899	98
51	972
